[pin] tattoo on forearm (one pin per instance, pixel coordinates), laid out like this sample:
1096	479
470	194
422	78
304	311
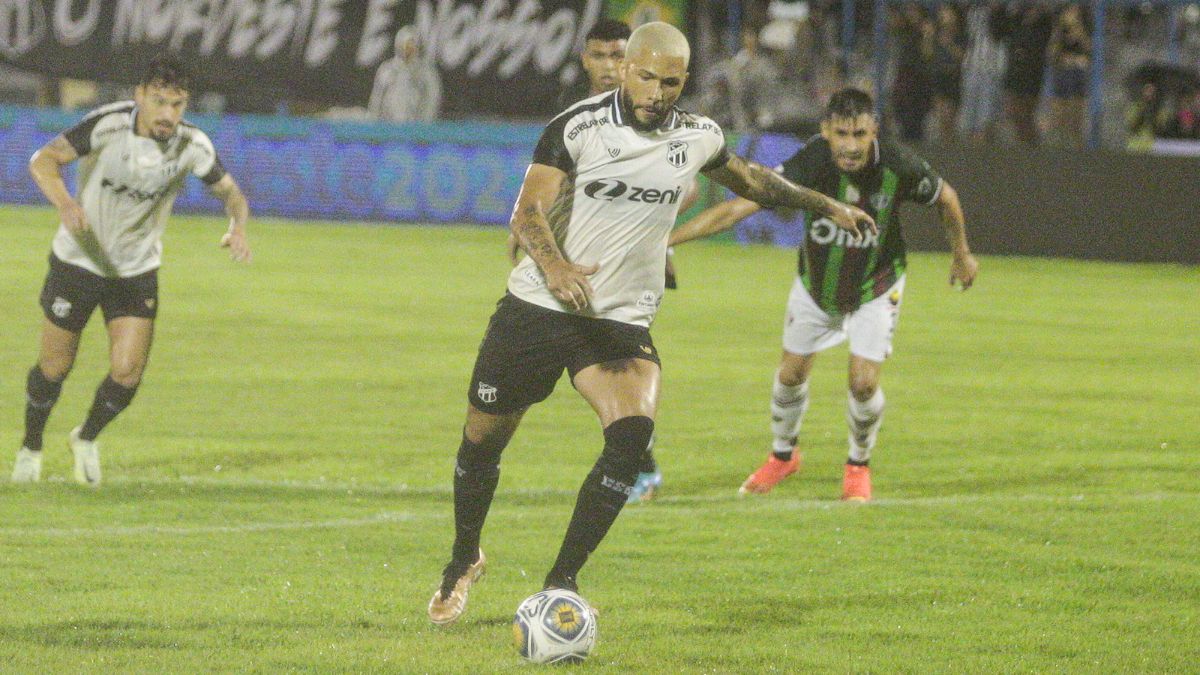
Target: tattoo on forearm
535	237
778	191
559	215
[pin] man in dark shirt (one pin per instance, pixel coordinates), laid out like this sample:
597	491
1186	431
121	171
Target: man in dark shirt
603	51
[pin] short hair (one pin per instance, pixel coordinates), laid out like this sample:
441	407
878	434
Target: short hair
167	70
850	102
660	37
607	30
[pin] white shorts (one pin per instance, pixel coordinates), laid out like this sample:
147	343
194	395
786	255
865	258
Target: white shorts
807	329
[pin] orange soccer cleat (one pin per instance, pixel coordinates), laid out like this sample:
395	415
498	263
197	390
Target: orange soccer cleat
856	485
769	474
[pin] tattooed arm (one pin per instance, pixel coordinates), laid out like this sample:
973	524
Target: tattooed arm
531	227
760	184
46	168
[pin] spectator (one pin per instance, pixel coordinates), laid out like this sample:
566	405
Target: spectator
946	77
1186	122
1070	60
1146	118
407	86
1026	30
738	91
913	88
983	68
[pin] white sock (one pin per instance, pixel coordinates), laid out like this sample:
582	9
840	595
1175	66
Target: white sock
864	418
787	411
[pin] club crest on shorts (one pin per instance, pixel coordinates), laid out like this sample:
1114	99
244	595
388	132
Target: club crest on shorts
677	154
61	307
487	393
613	152
150	303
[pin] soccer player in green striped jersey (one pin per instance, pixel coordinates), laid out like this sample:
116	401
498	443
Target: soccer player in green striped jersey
845	289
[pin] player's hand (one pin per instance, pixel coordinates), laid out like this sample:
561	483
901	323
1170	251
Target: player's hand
72	216
514	249
853	220
963	269
235	241
568	283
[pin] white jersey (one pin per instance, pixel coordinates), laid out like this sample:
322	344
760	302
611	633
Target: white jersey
126	186
619	202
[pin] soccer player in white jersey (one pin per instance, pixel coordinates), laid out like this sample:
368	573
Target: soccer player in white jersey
593	216
134	157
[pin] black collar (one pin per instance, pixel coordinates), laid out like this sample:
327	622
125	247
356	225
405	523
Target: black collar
617	108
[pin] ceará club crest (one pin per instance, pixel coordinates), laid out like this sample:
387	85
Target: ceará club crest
677	154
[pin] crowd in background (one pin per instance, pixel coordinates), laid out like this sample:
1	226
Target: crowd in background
1000	72
986	73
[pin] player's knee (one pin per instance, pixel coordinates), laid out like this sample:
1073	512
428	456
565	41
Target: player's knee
626	440
128	375
862	388
56	369
792	377
482	454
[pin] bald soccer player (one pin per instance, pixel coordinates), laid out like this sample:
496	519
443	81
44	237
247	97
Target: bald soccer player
593	216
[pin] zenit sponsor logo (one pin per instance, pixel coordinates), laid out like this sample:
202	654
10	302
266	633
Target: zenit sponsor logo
610	189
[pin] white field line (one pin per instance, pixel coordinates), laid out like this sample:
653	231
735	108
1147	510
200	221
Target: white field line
730	496
673	502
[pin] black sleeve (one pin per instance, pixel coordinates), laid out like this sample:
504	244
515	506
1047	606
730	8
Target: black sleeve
216	173
551	148
718	160
918	181
80	135
801	168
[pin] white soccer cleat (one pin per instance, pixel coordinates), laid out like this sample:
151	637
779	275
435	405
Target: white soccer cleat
28	467
87	459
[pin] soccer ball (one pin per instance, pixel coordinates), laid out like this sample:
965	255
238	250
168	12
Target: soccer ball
554	626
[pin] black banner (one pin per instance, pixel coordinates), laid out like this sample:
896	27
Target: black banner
496	57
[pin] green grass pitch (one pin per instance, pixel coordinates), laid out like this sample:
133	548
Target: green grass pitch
278	496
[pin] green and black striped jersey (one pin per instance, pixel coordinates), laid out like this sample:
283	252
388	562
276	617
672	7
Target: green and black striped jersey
838	272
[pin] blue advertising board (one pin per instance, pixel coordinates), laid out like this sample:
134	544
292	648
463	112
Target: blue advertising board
766	226
460	172
449	172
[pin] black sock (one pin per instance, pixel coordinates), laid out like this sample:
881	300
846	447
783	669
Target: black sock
111	399
476	472
648	464
603	494
865	462
785	456
40	396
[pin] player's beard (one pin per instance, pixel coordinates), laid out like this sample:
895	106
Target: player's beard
161	132
858	162
630	112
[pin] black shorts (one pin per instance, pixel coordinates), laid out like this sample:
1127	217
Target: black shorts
71	294
526	348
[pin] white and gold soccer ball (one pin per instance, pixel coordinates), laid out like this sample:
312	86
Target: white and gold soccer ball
554	626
